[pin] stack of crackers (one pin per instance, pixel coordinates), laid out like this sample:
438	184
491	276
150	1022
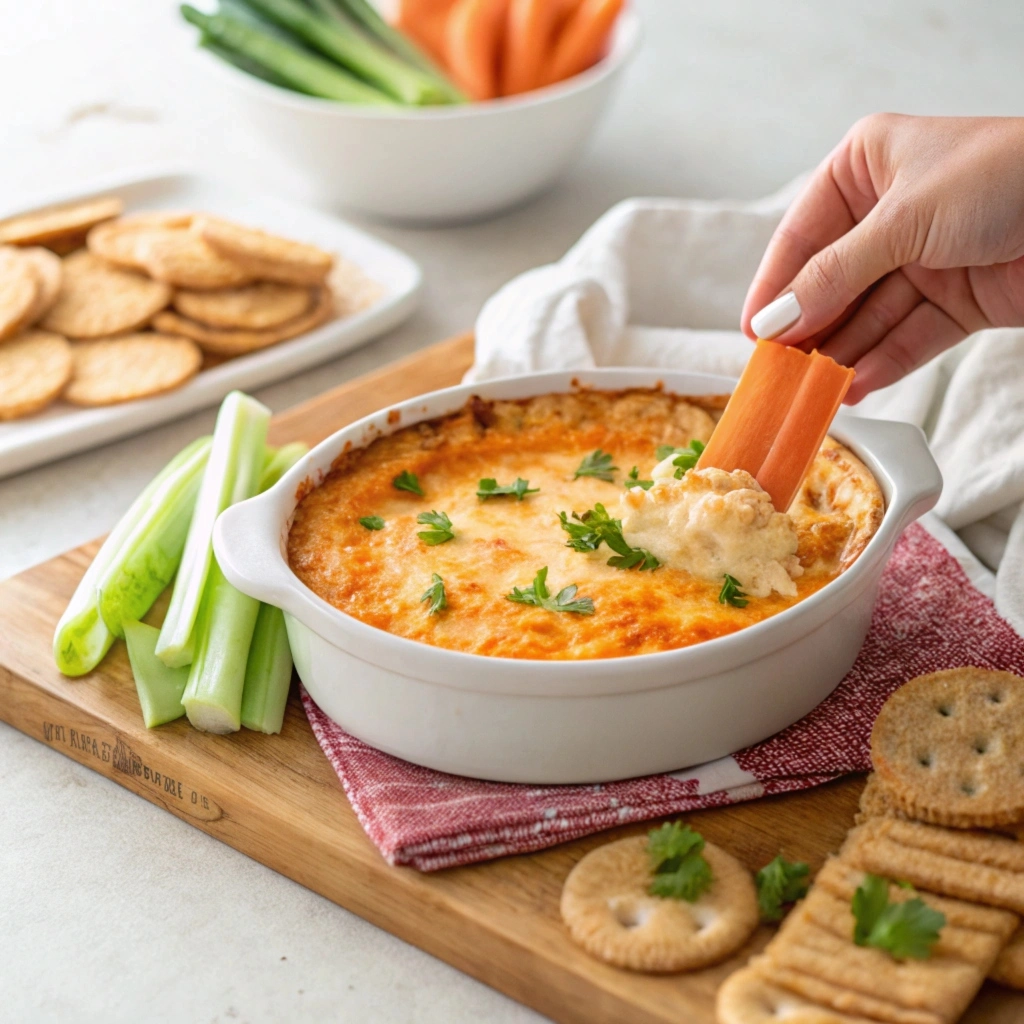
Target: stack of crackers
100	308
939	819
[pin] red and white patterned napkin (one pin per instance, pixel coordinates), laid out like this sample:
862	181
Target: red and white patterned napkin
929	616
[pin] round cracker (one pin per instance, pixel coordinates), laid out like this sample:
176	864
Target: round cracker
180	257
745	997
234	343
19	292
123	241
57	222
253	307
609	912
49	273
34	367
132	366
267	257
949	748
97	300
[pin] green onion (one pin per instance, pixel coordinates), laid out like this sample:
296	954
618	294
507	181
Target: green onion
301	70
150	556
82	637
367	17
347	46
159	687
231	475
268	673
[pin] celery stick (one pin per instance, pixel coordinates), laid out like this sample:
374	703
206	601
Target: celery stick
213	696
82	637
149	558
280	462
268	673
232	474
160	688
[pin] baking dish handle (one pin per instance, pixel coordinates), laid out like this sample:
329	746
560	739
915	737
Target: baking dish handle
247	540
902	454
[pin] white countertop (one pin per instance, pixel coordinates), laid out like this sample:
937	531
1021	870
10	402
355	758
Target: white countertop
112	909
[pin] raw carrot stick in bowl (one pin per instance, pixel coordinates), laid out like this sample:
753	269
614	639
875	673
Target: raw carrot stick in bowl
425	21
528	37
582	41
472	45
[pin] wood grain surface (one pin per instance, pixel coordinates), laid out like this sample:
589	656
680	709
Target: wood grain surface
276	799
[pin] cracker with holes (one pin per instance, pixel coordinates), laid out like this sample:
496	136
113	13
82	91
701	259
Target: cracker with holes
616	906
34	367
123	241
55	224
747	997
265	256
949	748
49	273
115	370
981	867
19	292
1009	966
97	300
179	256
228	342
254	307
815	955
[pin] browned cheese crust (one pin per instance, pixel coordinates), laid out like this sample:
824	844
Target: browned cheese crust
380	576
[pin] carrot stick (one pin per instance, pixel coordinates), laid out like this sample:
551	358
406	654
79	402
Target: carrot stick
757	409
531	25
777	418
817	400
582	41
472	45
425	21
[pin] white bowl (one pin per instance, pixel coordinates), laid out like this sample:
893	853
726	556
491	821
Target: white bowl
517	720
436	164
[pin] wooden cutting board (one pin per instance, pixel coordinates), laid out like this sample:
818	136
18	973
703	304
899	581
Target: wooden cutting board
276	799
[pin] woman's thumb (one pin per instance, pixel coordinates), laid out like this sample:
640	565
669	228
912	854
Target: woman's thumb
830	281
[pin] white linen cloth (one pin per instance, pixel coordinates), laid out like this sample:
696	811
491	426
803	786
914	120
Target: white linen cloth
660	282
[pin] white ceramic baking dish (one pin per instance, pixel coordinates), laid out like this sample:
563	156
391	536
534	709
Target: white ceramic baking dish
572	721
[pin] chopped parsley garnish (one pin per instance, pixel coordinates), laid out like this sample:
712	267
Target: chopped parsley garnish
588	531
406	481
598	465
681	871
372	522
780	881
489	488
732	594
538	595
906	930
633	480
685	458
440	528
435	595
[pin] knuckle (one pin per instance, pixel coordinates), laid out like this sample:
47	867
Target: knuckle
827	275
902	355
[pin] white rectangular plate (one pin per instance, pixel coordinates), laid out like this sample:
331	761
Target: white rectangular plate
62	428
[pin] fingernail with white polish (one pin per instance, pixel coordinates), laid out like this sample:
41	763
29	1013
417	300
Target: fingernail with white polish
776	317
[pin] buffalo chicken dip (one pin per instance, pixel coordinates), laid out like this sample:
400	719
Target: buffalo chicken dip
571	526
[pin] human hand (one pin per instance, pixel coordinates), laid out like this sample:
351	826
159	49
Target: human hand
908	237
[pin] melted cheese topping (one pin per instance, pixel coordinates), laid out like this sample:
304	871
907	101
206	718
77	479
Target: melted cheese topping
380	576
710	523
